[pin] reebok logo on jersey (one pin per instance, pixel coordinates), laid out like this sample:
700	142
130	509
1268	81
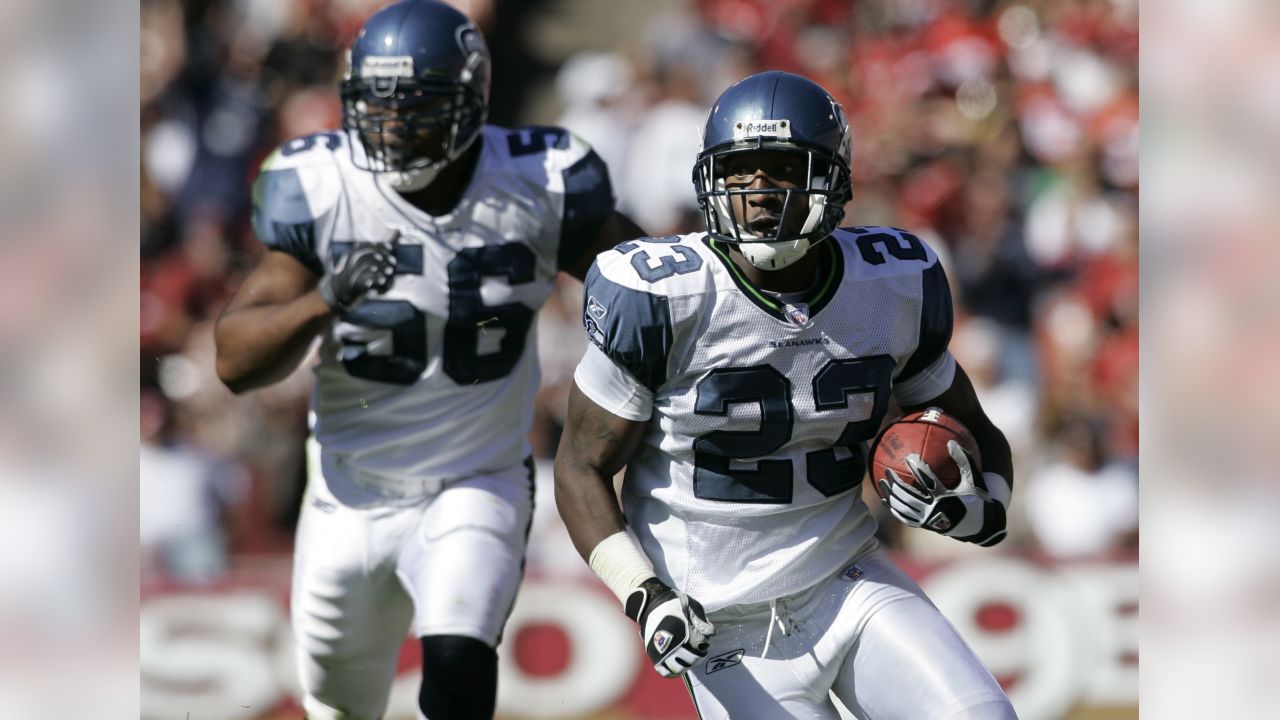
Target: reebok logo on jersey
726	660
595	309
323	505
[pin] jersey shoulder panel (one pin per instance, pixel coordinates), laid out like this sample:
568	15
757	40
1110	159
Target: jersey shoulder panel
627	310
573	177
892	254
548	149
671	266
879	251
297	187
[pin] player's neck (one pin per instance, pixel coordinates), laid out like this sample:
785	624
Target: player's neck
444	192
797	277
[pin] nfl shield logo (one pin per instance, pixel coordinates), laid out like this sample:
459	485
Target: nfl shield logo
799	313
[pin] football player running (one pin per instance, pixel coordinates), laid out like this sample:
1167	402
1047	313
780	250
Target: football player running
738	375
417	243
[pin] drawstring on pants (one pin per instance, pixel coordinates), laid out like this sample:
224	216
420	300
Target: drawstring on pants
773	618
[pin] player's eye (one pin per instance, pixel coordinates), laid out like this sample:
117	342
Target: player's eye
739	170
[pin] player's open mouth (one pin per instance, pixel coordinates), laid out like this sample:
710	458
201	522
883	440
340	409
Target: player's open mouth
764	225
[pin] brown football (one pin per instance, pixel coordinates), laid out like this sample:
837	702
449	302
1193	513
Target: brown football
925	432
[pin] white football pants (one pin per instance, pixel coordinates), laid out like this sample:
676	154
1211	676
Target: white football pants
369	567
868	634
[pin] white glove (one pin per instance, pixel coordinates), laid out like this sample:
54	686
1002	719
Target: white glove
674	627
972	512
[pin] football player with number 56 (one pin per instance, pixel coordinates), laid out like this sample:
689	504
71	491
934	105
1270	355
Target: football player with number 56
738	374
417	243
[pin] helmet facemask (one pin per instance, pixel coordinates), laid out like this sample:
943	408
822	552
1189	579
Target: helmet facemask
409	130
808	213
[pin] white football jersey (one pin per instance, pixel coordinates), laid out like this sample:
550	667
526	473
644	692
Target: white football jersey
743	488
435	378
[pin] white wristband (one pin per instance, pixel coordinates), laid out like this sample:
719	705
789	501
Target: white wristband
998	488
620	563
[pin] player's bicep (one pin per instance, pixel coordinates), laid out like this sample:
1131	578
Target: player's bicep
595	438
278	278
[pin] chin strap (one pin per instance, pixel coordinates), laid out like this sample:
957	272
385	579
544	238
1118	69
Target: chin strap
775	255
413	180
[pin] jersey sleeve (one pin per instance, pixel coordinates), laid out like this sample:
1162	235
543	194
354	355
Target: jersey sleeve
927	384
586	201
631	326
936	318
612	387
293	193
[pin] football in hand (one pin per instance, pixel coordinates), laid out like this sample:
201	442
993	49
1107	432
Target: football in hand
926	433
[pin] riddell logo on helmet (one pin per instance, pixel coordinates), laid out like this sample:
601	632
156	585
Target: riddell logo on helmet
780	129
397	66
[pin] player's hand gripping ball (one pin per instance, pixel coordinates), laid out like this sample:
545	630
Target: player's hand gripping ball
927	471
926	434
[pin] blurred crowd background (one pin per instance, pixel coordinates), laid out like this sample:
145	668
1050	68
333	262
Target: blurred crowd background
1005	132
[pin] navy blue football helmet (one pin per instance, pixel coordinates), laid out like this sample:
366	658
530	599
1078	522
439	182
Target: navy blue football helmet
416	92
776	111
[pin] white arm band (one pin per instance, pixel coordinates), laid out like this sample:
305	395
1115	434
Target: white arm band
998	488
620	563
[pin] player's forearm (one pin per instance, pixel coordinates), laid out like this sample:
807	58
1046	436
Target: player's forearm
260	345
590	511
587	504
996	455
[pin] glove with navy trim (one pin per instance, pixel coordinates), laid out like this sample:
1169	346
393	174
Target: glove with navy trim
367	267
674	627
974	511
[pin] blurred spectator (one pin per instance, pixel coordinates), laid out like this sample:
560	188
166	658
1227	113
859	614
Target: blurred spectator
659	169
1079	504
595	88
1008	398
187	500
